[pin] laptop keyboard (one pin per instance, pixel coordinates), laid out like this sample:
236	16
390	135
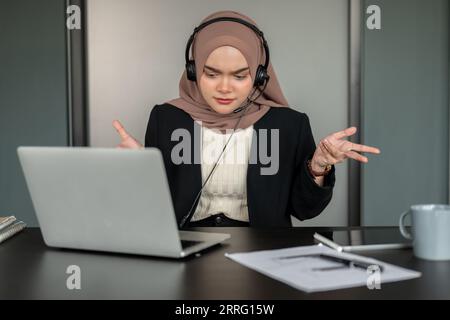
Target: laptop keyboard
186	243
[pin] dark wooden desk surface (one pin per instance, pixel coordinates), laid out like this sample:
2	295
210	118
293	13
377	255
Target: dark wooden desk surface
30	270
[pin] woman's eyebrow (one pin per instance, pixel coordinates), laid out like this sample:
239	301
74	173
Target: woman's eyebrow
233	72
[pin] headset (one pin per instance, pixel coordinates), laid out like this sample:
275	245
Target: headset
261	79
261	76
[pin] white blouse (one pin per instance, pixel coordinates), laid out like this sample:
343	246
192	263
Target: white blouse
226	190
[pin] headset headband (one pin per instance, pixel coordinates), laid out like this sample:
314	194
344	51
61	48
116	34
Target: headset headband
249	25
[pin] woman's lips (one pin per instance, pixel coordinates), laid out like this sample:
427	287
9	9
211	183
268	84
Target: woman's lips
224	101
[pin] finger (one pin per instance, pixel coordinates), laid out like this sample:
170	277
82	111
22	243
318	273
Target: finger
120	129
344	133
366	149
329	159
356	156
334	151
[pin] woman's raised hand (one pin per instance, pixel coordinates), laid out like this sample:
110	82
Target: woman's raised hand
127	141
333	149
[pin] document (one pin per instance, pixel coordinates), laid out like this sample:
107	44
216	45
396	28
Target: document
319	268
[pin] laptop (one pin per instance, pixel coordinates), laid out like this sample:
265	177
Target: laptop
103	199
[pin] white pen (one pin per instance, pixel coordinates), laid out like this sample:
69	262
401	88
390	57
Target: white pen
327	242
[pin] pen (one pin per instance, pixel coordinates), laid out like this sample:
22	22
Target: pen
351	263
327	242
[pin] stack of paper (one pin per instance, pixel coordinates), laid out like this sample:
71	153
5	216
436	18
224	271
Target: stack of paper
9	226
318	268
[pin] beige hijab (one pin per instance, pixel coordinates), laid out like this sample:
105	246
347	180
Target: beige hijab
228	33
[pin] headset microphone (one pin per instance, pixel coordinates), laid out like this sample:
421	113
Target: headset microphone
237	110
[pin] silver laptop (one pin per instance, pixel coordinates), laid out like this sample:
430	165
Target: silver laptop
114	200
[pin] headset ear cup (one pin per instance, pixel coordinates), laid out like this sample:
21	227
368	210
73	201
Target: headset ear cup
190	71
261	76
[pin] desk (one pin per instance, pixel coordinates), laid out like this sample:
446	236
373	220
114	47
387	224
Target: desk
30	270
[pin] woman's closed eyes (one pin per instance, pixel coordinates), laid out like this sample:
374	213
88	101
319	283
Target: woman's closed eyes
213	75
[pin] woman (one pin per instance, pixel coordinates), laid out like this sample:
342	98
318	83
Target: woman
226	96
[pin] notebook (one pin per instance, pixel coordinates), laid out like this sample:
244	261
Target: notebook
9	226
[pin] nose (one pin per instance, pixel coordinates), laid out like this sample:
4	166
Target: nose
224	85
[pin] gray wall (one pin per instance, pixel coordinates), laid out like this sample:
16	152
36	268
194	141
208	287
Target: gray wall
405	108
33	108
136	57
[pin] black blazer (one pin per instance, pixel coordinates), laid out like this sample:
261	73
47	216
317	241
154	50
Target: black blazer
271	198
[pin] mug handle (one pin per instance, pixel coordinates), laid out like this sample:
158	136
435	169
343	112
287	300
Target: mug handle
401	225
